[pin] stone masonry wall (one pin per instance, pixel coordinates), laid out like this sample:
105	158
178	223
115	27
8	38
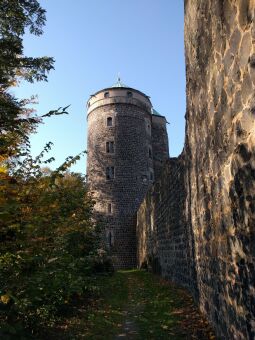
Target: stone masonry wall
220	153
218	213
159	143
131	163
163	235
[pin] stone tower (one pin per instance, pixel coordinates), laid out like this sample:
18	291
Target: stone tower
127	144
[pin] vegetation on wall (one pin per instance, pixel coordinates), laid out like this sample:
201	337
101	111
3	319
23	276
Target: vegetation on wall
49	250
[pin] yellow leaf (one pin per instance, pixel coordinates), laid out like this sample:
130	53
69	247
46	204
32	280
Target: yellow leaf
3	170
5	299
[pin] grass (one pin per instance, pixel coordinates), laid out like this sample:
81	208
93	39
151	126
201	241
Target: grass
162	310
155	308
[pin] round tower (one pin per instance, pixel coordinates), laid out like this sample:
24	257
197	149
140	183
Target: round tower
119	164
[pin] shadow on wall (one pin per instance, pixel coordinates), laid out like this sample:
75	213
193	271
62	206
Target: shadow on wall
164	241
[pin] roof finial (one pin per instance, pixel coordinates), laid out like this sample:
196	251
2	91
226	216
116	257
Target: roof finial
119	83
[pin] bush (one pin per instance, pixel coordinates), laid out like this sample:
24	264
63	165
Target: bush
53	254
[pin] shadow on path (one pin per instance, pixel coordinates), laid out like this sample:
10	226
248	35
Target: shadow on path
157	309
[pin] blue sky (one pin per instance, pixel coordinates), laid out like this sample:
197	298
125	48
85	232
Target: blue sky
93	40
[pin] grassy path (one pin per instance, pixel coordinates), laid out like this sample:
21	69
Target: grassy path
137	305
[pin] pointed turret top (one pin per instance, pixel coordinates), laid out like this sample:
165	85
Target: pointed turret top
119	83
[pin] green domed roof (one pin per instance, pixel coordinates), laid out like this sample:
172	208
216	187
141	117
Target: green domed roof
119	83
154	112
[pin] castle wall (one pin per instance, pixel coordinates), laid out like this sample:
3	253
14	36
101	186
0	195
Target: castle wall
160	148
219	171
163	238
220	151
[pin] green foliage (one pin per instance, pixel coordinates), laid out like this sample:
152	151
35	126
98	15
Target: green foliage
16	120
15	17
49	249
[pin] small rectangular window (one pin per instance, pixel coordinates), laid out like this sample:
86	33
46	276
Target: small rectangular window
150	153
110	238
110	147
148	127
110	172
109	208
109	121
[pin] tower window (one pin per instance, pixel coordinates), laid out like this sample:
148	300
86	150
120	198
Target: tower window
109	121
110	172
106	94
110	147
148	127
110	239
129	94
150	153
109	208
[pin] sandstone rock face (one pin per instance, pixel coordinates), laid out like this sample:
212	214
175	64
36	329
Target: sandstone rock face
217	211
220	153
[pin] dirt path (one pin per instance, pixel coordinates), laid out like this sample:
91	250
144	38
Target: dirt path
129	327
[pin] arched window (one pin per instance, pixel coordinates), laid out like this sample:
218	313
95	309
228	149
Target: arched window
109	121
129	94
106	94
